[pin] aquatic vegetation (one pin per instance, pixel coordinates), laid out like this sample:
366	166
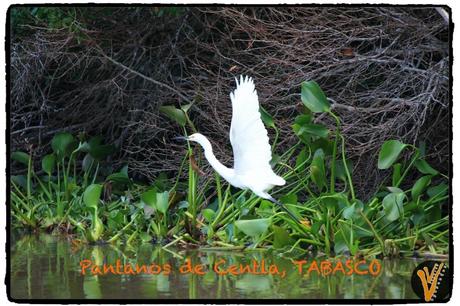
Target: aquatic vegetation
77	192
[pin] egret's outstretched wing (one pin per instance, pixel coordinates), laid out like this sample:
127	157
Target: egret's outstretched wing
251	148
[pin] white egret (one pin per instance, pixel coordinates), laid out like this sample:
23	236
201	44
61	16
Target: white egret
250	143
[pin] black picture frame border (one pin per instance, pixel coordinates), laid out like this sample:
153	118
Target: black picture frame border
211	301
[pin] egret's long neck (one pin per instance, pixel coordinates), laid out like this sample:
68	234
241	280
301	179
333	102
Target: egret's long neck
225	172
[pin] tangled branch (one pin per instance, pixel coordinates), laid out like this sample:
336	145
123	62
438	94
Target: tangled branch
385	70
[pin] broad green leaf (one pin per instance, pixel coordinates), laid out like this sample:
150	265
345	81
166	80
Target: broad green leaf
297	129
266	118
418	215
157	200
306	138
330	203
302	158
208	214
395	189
83	147
20	180
174	114
289	199
120	177
161	182
424	167
336	200
150	197
420	186
393	205
87	162
437	191
349	212
353	211
115	219
389	153
410	206
253	228
162	202
21	157
314	129
265	209
124	170
99	151
63	144
317	170
145	237
324	144
94	142
48	163
183	205
433	213
303	119
316	226
340	169
92	195
281	237
314	98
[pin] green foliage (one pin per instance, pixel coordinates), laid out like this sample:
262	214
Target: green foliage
175	114
314	129
52	199
393	205
389	153
314	98
80	191
317	169
53	18
63	144
48	163
91	198
21	157
281	237
266	118
254	227
96	149
420	185
424	167
92	195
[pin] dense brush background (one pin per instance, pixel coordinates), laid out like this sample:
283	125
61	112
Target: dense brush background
107	70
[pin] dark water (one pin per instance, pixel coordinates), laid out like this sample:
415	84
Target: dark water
48	267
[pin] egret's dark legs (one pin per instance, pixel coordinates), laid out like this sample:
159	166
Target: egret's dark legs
283	207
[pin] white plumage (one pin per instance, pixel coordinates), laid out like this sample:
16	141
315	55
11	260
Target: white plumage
250	143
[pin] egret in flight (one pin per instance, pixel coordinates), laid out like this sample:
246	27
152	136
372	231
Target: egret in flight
251	149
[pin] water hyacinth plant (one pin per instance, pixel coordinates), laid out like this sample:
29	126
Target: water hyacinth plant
77	192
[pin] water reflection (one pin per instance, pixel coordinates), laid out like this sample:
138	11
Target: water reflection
48	267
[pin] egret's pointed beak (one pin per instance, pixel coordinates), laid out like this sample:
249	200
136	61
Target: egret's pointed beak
180	138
